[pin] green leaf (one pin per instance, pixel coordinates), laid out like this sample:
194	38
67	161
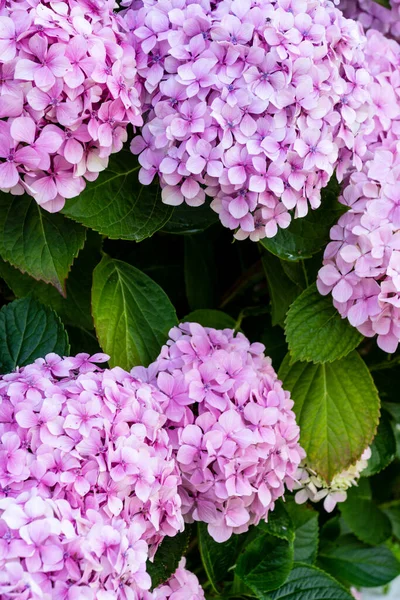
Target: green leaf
363	516
337	409
167	557
217	558
132	314
316	332
392	511
210	318
200	272
187	219
309	583
75	307
383	447
296	271
358	564
282	290
305	522
384	3
305	236
117	206
279	523
36	242
28	331
265	564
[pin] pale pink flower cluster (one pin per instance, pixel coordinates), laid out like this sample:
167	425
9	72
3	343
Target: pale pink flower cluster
88	481
230	423
251	102
362	262
372	15
68	91
183	585
313	487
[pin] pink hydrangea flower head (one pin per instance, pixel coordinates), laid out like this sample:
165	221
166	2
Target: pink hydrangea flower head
88	481
231	426
362	262
373	15
253	103
68	91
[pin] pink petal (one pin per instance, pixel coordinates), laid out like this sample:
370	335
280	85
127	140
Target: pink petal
25	69
23	129
44	78
9	175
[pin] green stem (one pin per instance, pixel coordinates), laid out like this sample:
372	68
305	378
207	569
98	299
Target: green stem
387	364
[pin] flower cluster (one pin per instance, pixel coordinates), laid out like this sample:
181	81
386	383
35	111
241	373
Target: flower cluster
183	585
88	482
312	486
373	15
250	102
230	423
67	93
362	262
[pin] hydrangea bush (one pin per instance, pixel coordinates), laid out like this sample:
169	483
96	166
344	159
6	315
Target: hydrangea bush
211	412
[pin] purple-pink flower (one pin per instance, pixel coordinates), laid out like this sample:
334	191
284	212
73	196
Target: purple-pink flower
373	15
362	262
231	426
88	481
68	91
252	103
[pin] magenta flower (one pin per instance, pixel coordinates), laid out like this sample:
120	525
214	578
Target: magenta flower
236	415
361	264
51	63
92	486
16	159
55	104
226	82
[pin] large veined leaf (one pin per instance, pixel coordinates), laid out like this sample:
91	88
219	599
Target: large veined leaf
218	558
36	242
306	531
29	330
309	583
358	564
337	409
187	219
383	447
316	332
282	290
132	314
167	557
306	236
75	307
363	516
392	510
117	205
265	564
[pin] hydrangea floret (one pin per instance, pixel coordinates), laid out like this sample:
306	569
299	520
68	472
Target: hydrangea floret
253	103
373	15
88	482
362	261
231	426
311	486
68	91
